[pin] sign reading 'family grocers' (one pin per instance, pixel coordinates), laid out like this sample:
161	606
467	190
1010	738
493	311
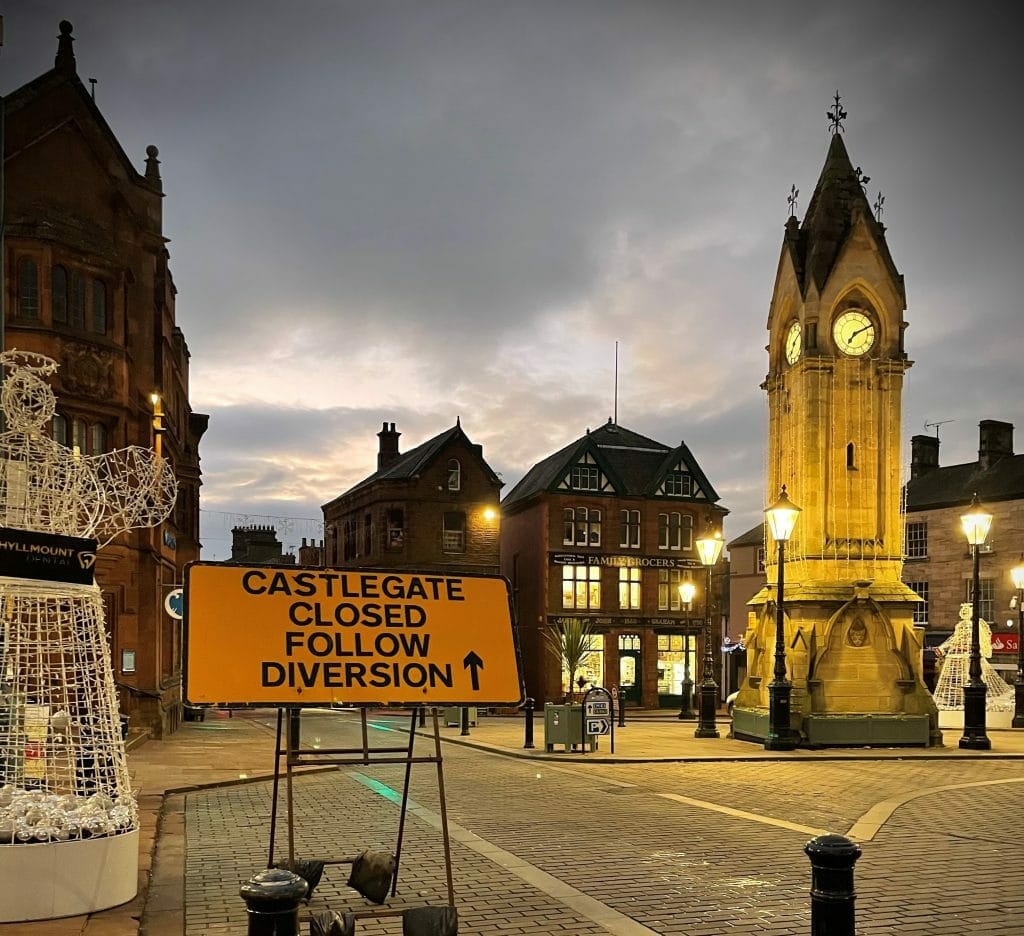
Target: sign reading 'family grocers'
295	636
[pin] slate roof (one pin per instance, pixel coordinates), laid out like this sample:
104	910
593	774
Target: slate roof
955	485
753	537
836	205
413	462
635	465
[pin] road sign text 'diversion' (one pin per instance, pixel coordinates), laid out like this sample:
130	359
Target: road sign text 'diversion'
294	636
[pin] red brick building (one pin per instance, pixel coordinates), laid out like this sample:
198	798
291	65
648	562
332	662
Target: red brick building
603	531
86	282
434	508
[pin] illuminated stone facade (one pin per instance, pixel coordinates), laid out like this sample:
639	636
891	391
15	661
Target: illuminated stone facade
834	386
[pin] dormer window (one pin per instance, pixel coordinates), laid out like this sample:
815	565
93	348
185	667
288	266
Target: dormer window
454	475
585	478
677	484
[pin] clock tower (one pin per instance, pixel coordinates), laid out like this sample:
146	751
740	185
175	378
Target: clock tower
836	364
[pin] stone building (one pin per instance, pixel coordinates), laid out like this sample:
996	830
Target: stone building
258	545
86	282
603	532
938	560
433	508
836	365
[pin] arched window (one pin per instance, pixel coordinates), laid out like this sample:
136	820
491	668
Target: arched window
850	453
60	429
78	435
98	440
28	289
454	474
99	307
76	312
59	290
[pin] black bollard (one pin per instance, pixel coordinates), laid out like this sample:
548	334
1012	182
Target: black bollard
622	710
528	722
272	898
464	721
423	716
832	895
294	729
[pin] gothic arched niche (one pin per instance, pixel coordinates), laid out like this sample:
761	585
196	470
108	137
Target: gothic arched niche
860	668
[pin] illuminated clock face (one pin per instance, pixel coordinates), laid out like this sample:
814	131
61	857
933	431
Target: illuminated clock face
854	333
793	343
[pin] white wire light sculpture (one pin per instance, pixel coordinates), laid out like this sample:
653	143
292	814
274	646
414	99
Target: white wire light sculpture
955	653
63	772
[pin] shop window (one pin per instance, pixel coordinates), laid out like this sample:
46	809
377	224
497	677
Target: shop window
591	667
677	662
629	536
59	294
453	534
581	587
629	589
28	289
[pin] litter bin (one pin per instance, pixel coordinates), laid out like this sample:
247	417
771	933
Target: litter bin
563	724
453	716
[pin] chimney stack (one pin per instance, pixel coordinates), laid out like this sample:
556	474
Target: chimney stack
924	455
995	441
388	449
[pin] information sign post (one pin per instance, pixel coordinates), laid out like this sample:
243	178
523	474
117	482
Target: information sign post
597	715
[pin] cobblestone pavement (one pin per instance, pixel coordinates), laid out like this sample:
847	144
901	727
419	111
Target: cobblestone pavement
701	849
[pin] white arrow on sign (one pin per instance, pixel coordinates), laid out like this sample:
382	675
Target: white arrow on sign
598	726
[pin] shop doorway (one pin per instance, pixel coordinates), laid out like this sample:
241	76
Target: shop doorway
630	669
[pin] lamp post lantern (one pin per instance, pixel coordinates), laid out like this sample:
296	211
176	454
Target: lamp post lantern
686	592
709	548
975	524
1017	574
781	517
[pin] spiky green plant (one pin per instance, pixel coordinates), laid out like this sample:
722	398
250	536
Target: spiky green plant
569	643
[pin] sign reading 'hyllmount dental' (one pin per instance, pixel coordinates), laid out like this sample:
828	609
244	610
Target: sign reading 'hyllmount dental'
46	556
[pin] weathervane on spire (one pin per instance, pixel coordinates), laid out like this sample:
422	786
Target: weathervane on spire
836	116
861	178
879	202
794	193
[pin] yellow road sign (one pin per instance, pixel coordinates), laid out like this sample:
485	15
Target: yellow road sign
271	635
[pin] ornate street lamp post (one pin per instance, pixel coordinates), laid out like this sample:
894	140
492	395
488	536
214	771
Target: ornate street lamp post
1017	574
686	592
781	737
709	548
975	524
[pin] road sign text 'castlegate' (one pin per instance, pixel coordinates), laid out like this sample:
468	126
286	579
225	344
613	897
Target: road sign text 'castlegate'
302	636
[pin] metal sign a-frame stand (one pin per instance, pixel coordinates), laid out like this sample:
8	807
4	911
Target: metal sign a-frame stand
365	755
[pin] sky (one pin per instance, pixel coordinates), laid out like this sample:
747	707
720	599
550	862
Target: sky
426	210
